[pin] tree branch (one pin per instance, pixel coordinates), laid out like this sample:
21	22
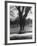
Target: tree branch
27	11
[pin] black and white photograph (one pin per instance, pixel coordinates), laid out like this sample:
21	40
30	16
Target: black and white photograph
21	22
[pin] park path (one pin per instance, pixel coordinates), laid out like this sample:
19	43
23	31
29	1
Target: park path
26	35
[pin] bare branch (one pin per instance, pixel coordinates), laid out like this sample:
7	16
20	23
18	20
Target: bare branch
27	11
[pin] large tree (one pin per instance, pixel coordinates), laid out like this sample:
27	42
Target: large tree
21	17
23	12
